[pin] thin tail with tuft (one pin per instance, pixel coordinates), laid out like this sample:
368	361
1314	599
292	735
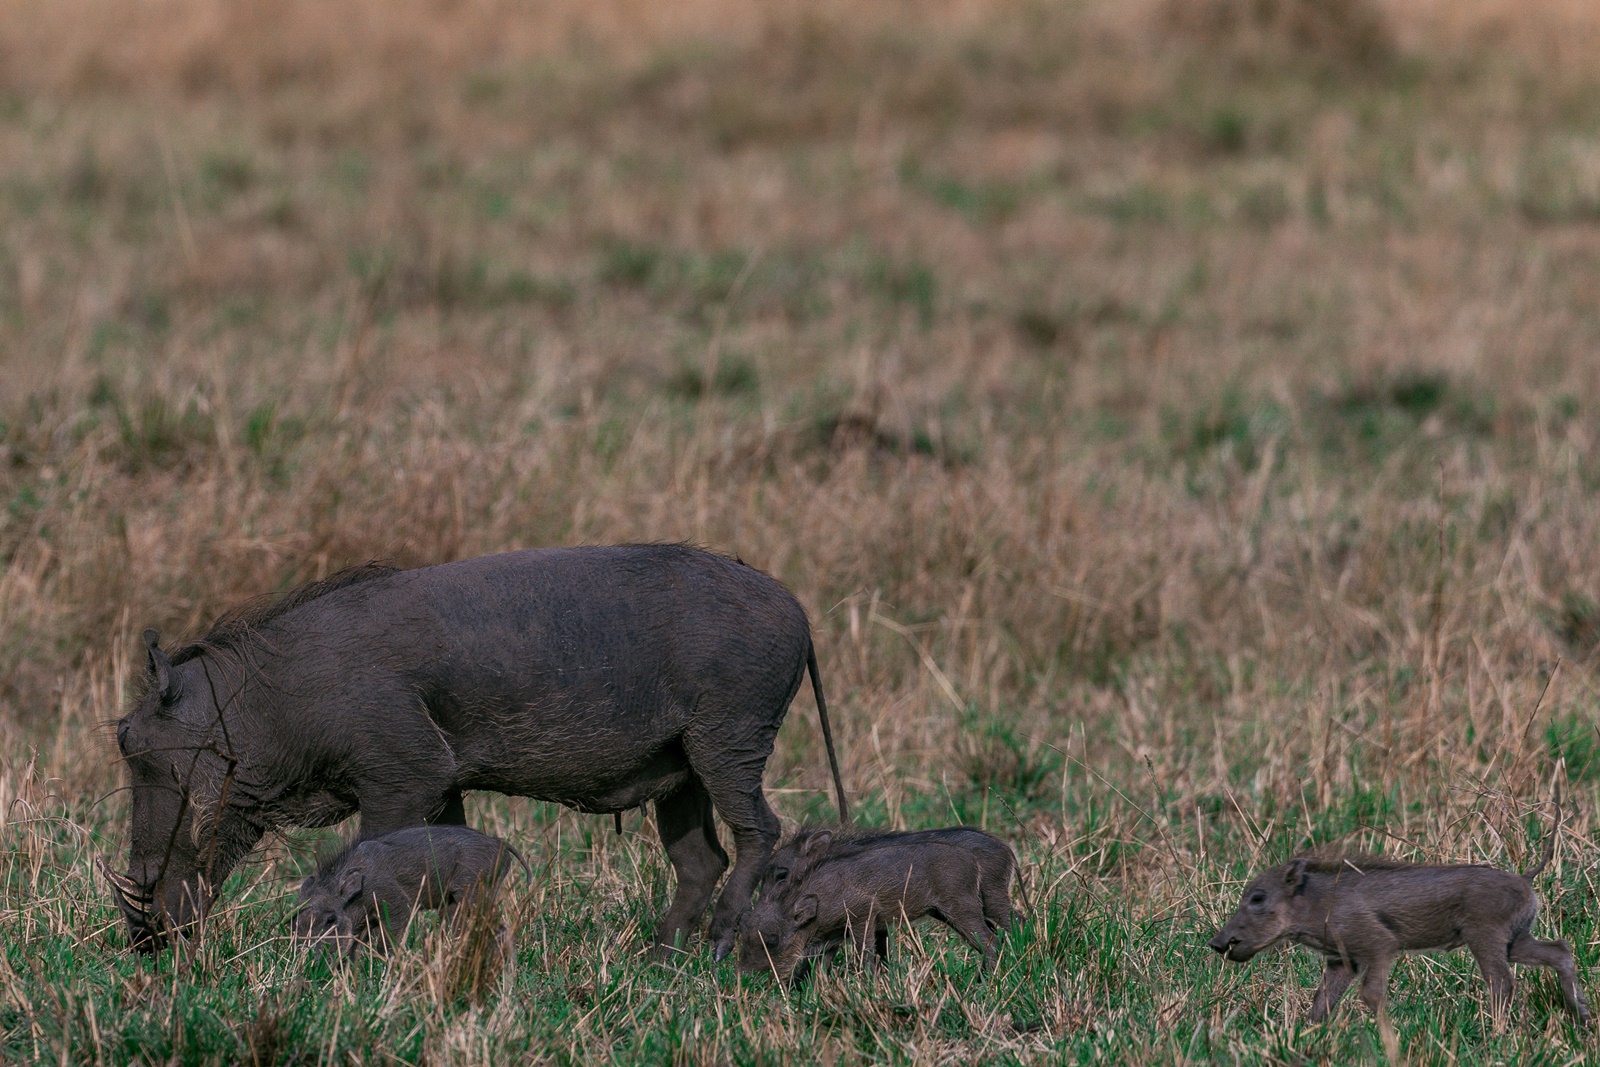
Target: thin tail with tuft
527	872
1549	842
827	735
1022	884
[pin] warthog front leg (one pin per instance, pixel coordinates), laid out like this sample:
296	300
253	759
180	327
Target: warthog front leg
732	775
755	833
1336	978
1375	982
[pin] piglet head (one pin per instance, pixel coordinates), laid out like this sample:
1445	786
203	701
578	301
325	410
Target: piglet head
1265	913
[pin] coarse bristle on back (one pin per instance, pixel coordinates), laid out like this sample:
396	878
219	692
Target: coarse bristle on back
234	628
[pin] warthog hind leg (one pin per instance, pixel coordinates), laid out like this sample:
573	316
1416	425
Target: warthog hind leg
1556	955
690	839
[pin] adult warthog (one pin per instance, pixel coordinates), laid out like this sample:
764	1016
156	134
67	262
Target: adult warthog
600	678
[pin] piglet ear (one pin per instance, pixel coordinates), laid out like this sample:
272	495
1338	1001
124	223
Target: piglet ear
1294	875
805	910
817	843
160	667
351	883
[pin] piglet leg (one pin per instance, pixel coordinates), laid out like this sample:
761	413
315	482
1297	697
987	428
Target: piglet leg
1490	952
968	921
1375	982
1556	955
1336	978
867	936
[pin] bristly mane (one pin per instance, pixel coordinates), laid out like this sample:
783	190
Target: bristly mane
234	626
856	837
328	859
1352	862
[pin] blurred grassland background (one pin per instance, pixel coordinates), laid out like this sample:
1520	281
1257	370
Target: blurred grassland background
1179	417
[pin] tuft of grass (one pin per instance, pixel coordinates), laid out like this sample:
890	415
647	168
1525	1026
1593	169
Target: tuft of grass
1338	33
1227	130
731	376
1577	622
627	263
985	203
1013	770
1139	203
910	283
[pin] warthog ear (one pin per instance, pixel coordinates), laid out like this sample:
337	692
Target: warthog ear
305	887
160	667
1294	876
351	882
805	910
817	843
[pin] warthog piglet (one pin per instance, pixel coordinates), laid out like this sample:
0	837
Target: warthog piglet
824	888
370	891
1362	912
806	848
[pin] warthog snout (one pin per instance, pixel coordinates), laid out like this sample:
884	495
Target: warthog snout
1229	946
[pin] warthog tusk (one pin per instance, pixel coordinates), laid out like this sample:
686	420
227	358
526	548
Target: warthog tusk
127	891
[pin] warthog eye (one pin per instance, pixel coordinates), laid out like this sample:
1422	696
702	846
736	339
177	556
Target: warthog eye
780	873
1258	898
122	737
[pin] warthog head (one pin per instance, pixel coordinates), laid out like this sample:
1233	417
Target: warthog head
775	937
184	834
1266	913
332	914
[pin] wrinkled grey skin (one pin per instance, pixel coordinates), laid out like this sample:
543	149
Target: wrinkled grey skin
852	887
600	678
1362	912
367	894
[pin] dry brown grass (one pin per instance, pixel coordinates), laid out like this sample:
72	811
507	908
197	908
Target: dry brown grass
1185	450
195	49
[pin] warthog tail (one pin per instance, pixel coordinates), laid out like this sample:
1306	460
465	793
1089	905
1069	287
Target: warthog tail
1022	884
827	734
527	872
1549	841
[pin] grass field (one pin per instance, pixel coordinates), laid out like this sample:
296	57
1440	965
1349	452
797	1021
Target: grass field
1181	420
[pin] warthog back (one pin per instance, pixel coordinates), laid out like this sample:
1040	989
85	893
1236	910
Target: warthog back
809	845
